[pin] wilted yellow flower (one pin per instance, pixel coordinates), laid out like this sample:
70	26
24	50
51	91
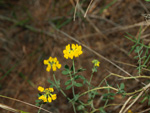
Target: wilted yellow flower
96	63
72	51
52	63
47	96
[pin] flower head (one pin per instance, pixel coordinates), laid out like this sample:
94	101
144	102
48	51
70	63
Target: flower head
72	51
96	63
47	96
52	63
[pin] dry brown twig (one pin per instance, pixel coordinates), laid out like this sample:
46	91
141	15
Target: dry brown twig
75	11
25	103
125	104
88	8
140	94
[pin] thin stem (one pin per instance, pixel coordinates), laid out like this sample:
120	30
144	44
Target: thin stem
59	87
106	87
40	108
73	66
72	80
72	85
24	103
74	107
91	78
55	79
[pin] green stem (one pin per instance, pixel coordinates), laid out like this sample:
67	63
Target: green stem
74	107
40	108
72	85
73	66
72	78
55	79
73	91
58	87
91	78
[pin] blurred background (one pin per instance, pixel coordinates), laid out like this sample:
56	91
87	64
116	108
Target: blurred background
33	30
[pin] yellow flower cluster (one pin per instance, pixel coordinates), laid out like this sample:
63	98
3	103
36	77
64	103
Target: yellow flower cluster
52	63
47	96
72	51
96	63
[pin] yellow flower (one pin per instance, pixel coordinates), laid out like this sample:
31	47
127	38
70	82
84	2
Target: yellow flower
52	63
49	99
47	96
129	111
54	96
96	63
41	89
72	51
43	98
51	89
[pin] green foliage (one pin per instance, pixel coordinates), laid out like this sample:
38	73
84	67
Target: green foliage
141	50
121	89
108	96
101	109
146	97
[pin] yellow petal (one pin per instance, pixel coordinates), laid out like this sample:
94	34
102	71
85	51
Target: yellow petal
48	68
59	66
54	67
73	46
50	59
68	47
49	99
54	96
46	62
51	89
55	59
41	89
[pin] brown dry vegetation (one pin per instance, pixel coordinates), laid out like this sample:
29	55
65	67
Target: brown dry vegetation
28	35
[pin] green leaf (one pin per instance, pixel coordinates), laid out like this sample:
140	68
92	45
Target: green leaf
65	72
67	82
68	87
80	70
94	69
37	101
78	84
80	107
147	0
145	98
101	109
37	104
50	81
66	67
76	97
122	86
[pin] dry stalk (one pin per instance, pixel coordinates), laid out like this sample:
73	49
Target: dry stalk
140	94
88	8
